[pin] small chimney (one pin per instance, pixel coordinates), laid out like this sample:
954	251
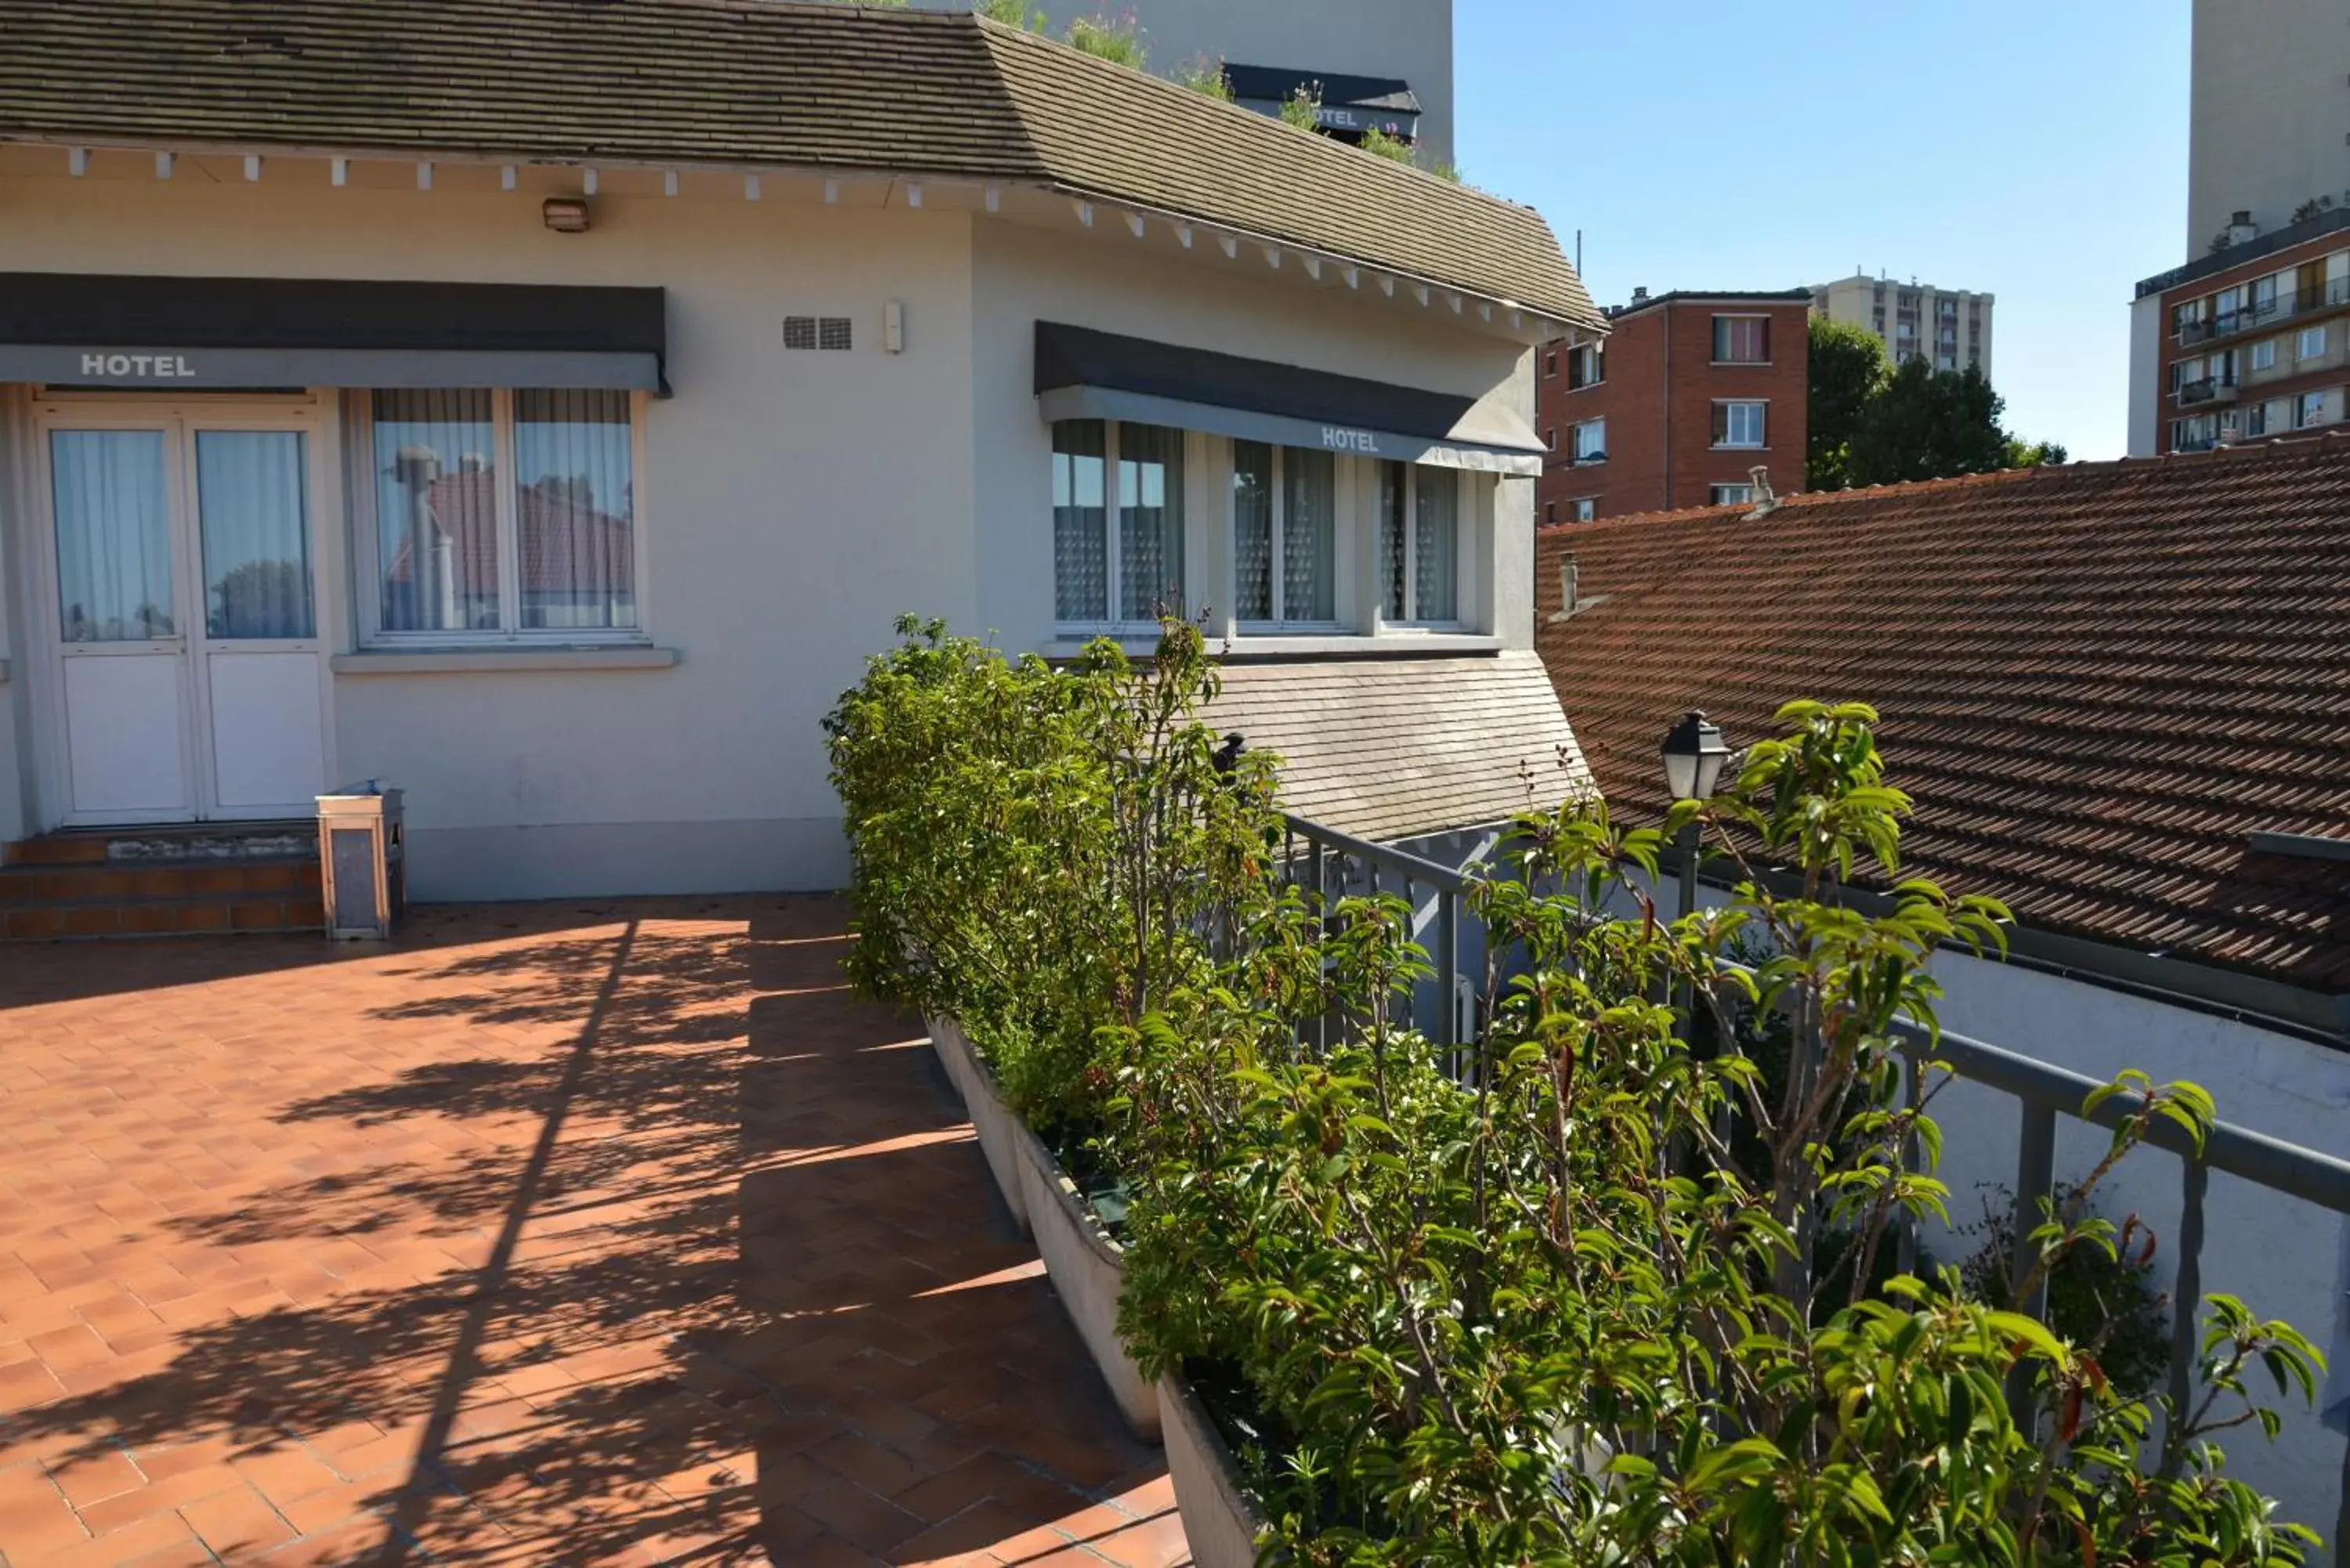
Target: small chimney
1566	575
1640	292
1765	501
2241	230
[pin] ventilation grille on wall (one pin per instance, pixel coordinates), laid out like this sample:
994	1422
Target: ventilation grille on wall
823	332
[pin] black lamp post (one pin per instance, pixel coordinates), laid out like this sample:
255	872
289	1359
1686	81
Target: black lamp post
1694	755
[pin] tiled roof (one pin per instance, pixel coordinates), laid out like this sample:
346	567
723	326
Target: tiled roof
751	82
2095	680
1393	748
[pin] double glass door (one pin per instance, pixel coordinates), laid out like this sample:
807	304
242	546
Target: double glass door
191	676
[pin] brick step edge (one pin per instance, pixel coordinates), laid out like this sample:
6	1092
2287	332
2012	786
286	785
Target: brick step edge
210	916
24	887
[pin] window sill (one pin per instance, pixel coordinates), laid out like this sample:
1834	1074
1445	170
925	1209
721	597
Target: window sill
1719	447
1740	364
499	661
1391	643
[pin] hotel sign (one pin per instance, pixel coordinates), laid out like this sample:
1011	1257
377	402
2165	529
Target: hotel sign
69	365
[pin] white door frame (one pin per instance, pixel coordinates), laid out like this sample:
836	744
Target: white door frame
178	417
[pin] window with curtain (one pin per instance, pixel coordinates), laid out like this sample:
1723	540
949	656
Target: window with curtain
436	512
113	495
574	511
1080	541
1129	577
1738	424
1284	536
1436	545
1149	522
501	513
1741	339
253	513
1419	549
1252	530
1309	536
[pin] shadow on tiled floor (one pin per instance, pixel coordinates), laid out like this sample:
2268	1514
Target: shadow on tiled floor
610	1232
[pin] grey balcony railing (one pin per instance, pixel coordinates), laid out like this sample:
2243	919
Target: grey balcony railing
2209	388
1335	864
2043	1092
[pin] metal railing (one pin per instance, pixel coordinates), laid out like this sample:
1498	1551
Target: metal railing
2205	389
1337	864
2043	1092
2256	314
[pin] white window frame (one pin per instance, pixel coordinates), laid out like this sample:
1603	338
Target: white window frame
2264	354
1112	624
1462	502
1729	442
1280	624
366	558
2301	348
1722	496
1587	508
1575	448
1592	355
2301	419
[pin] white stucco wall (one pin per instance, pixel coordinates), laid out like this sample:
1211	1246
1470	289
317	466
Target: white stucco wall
2145	391
2283	1257
792	504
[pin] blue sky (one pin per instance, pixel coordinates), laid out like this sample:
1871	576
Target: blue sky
2033	148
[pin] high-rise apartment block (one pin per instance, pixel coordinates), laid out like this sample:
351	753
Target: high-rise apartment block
1950	328
2268	116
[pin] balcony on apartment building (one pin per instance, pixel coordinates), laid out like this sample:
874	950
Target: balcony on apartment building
2257	314
2207	389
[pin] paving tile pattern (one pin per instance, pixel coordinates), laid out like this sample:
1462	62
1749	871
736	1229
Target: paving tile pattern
2095	680
550	1234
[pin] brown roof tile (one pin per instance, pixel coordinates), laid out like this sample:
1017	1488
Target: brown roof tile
752	82
2095	680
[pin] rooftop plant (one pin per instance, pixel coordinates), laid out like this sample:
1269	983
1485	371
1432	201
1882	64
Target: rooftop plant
1589	1292
1116	38
1205	75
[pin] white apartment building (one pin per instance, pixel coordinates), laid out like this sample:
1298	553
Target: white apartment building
1948	327
2269	129
1383	63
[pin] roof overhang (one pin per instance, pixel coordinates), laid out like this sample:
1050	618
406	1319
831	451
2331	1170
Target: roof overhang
1082	373
67	329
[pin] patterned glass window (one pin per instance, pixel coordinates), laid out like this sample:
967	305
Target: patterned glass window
1309	537
1149	522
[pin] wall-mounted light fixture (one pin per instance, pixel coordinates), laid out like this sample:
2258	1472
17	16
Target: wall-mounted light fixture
565	214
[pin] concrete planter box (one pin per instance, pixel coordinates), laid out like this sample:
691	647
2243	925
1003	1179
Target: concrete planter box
1000	1134
1088	1271
1220	1519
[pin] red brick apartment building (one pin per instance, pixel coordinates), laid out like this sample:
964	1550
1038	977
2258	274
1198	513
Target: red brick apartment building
1692	392
2248	343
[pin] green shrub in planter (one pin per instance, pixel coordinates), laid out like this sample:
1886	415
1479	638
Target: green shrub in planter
1548	1315
1040	852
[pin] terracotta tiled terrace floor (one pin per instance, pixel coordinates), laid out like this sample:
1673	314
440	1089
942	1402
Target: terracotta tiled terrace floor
552	1234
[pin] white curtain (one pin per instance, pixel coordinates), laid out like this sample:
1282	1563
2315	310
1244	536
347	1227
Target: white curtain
575	510
436	509
1436	545
1150	521
1309	535
112	492
1252	530
1392	542
1080	547
253	506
